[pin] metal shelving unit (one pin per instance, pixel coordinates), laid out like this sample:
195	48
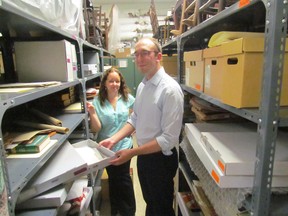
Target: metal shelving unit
266	16
17	172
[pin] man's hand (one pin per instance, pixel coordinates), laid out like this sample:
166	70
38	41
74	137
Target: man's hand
122	156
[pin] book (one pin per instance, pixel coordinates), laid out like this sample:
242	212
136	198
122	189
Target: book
34	145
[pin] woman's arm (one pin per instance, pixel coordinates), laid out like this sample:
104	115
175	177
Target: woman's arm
127	130
95	123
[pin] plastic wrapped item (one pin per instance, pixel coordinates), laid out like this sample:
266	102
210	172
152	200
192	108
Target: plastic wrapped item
64	14
114	38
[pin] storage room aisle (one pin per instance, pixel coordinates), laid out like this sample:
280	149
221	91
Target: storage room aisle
140	204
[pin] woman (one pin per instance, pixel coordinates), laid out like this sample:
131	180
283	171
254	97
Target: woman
109	112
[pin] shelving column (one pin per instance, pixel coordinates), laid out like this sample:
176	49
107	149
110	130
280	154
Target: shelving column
275	37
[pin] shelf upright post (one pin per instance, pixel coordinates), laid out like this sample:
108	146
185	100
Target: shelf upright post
83	85
6	204
180	55
101	60
275	37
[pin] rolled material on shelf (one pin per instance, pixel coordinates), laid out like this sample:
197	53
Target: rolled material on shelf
47	118
58	129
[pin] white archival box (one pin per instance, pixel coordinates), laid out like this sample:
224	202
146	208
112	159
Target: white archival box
223	181
54	197
44	61
68	163
235	152
74	62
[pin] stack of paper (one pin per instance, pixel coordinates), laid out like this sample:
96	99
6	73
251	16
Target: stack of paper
229	154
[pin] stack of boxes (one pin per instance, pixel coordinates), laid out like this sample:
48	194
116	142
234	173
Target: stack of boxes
232	72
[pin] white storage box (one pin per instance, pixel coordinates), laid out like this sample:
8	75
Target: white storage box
90	69
222	180
69	162
91	63
44	61
235	152
55	197
96	157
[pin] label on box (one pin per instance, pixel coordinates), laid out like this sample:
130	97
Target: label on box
207	76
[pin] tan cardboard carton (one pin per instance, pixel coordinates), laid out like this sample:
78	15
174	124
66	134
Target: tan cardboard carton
123	52
170	65
194	69
242	74
213	72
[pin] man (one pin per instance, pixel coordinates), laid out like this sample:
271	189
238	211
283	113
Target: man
157	118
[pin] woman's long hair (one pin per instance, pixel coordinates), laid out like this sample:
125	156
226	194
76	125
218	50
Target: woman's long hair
123	90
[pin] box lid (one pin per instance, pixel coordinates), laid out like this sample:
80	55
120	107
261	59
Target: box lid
195	55
241	45
212	52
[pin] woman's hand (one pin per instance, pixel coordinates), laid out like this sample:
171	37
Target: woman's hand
90	107
108	143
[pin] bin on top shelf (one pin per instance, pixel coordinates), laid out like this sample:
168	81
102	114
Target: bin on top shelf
239	69
242	74
213	72
194	69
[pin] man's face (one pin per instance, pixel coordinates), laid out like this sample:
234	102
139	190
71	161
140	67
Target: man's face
146	57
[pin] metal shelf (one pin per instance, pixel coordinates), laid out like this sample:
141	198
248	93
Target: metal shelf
9	100
22	23
42	212
269	17
87	78
234	18
17	25
20	171
250	114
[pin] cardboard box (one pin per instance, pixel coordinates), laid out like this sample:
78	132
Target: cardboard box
213	72
222	180
194	69
123	52
241	69
170	65
44	61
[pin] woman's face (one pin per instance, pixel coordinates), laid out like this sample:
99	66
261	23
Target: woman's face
113	82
